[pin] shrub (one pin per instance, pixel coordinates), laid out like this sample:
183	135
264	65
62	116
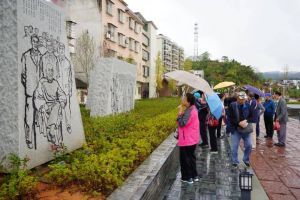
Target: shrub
18	183
116	145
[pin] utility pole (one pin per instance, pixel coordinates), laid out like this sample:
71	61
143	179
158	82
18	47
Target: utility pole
285	78
195	42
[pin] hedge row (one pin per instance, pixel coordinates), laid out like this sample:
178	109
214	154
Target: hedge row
116	145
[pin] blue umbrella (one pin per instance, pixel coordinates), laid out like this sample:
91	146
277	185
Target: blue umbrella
215	105
254	90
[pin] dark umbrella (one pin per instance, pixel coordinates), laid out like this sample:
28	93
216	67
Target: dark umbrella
254	90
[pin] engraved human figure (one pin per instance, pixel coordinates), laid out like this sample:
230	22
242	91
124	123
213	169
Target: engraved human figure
50	102
30	29
26	31
49	57
29	78
65	80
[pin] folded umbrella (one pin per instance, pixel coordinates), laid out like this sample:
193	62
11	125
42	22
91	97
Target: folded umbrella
191	80
224	85
215	105
254	90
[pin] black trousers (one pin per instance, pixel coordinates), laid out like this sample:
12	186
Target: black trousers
203	130
269	125
213	138
188	162
219	128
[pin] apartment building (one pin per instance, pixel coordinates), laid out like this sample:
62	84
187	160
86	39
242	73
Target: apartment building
171	54
82	16
117	30
123	38
149	55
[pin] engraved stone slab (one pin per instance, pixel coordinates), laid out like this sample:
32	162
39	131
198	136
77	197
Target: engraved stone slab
112	87
38	105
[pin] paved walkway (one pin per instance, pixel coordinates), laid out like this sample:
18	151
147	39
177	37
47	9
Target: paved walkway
218	180
277	168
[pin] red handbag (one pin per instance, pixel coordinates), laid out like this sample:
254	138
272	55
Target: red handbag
212	121
276	126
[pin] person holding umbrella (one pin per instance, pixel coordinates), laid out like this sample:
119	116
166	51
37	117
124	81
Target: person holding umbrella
188	138
215	113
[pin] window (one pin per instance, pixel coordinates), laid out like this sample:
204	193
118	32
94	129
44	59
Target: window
137	47
131	23
109	7
146	40
70	29
122	40
145	55
145	27
146	70
111	32
131	44
136	27
111	53
121	16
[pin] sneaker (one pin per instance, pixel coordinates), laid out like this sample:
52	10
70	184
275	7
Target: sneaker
213	152
196	179
235	165
247	164
279	144
189	181
204	146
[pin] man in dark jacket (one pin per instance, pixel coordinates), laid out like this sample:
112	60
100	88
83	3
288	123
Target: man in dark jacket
239	114
253	115
268	115
282	117
227	101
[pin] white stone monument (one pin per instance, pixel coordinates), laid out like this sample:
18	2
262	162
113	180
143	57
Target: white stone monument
112	87
38	105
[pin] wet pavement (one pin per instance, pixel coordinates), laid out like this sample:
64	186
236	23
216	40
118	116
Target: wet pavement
278	168
218	180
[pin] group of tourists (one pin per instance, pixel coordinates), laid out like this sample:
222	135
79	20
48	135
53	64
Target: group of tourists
241	115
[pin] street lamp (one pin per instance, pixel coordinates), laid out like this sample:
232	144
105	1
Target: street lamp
245	182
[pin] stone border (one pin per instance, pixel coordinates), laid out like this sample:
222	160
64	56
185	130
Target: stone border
151	179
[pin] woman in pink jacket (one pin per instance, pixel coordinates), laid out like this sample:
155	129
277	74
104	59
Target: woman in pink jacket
188	138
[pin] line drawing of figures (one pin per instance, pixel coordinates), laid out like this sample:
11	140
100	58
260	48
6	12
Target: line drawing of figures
65	81
50	102
26	31
30	29
49	57
29	78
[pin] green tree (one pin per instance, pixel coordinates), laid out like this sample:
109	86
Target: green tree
188	65
228	70
85	54
205	56
159	73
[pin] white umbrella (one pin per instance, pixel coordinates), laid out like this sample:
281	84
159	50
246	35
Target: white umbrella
191	80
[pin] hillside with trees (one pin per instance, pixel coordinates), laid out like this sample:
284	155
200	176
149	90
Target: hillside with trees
216	71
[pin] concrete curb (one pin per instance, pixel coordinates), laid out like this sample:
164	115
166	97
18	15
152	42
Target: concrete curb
151	179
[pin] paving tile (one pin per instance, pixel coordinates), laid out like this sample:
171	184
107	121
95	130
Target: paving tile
218	179
282	197
275	187
266	175
277	168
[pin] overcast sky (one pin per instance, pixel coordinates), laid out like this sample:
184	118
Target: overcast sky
262	33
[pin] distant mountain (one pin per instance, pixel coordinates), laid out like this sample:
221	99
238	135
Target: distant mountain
277	75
